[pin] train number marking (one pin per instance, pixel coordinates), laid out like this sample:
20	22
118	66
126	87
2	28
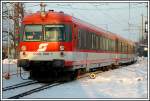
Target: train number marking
42	47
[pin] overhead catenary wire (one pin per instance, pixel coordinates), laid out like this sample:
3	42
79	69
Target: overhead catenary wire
111	17
77	8
66	6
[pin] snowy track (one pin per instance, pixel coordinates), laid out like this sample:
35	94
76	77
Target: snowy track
124	82
45	86
19	85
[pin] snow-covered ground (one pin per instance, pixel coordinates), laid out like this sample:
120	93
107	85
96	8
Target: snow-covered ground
9	65
125	82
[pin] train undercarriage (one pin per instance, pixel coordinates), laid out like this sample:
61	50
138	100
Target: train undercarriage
47	71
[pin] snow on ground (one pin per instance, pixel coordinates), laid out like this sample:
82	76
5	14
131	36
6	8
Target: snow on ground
14	79
125	82
9	61
9	65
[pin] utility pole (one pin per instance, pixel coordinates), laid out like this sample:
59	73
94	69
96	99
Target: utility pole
142	30
18	15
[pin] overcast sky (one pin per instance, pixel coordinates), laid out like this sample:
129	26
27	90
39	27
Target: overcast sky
114	17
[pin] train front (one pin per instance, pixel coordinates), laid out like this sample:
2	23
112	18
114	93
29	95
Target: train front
45	45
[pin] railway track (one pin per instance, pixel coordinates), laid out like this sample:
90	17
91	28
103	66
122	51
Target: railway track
45	86
19	85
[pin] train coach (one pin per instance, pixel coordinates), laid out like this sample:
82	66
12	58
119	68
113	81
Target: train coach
54	44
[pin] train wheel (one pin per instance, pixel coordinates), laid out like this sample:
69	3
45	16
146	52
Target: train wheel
113	66
92	75
107	68
74	75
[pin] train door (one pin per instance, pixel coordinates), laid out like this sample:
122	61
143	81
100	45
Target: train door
117	51
74	37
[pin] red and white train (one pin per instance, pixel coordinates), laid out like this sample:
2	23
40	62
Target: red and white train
55	44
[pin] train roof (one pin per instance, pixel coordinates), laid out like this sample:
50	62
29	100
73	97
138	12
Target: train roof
50	17
104	32
57	17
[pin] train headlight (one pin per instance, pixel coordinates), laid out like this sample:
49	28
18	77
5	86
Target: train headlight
23	48
62	48
145	49
43	14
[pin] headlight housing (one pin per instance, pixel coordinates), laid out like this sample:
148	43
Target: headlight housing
23	48
62	48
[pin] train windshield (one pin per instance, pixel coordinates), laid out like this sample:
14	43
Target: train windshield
33	33
54	32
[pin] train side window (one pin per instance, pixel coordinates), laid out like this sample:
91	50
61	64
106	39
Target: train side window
87	40
127	48
114	44
90	44
82	39
84	36
96	42
91	40
104	40
119	46
68	32
109	45
124	47
99	42
103	43
100	45
106	44
79	39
